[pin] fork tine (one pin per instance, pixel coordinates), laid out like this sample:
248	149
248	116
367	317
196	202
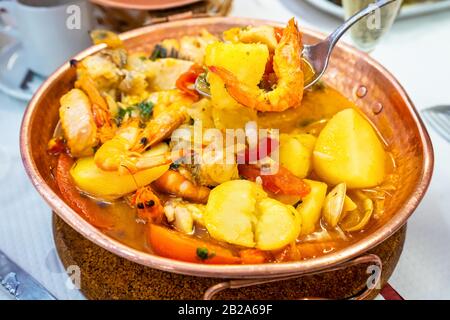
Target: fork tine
430	118
445	118
439	121
441	125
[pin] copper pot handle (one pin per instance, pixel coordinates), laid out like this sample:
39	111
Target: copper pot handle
370	258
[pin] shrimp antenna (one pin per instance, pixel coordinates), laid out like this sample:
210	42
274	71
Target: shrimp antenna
131	174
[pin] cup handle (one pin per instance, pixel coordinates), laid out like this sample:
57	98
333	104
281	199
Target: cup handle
7	7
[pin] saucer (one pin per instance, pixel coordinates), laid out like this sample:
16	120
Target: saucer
145	4
16	80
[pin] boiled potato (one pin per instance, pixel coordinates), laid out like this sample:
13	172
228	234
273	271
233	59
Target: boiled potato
295	155
246	61
287	198
277	226
110	185
308	140
201	111
348	150
233	118
240	212
311	207
230	212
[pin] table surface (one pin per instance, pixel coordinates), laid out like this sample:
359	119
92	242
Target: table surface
416	51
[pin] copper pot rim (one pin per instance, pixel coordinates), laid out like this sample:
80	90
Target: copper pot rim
227	271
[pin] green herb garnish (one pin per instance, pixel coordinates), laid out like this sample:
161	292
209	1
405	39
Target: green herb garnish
203	254
146	110
122	114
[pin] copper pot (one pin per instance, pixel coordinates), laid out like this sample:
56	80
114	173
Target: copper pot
386	104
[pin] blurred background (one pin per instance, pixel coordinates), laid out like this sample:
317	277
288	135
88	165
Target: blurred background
412	44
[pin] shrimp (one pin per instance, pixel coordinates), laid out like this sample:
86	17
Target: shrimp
126	150
113	153
169	113
287	64
116	154
85	117
99	106
160	128
163	100
175	183
148	205
77	122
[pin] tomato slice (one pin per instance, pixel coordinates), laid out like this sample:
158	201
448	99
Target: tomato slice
84	206
186	80
174	245
263	149
253	256
282	182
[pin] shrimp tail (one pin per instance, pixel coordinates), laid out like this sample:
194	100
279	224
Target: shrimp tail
241	92
175	183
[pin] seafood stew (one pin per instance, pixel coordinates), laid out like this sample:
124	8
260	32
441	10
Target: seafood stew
260	172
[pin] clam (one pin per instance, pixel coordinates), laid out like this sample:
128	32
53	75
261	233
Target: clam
334	205
357	220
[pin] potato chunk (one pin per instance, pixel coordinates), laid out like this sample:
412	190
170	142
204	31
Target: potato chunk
110	185
278	225
296	153
239	212
311	207
230	212
348	150
246	61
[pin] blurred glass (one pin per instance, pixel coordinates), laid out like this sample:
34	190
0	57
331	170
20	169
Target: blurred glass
367	33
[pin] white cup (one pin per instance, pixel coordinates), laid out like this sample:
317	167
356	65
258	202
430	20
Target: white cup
51	31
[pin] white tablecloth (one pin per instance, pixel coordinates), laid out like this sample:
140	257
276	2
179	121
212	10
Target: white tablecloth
416	51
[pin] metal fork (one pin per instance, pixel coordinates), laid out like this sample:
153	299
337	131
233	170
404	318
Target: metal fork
439	119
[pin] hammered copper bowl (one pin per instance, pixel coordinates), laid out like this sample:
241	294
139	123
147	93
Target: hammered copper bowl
386	104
